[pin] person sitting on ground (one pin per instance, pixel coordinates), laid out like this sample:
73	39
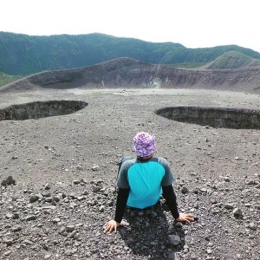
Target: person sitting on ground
142	182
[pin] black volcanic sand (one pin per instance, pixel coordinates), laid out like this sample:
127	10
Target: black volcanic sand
65	169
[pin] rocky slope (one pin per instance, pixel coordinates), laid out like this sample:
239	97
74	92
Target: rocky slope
65	168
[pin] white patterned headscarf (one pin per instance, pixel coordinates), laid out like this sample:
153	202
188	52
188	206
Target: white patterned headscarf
144	144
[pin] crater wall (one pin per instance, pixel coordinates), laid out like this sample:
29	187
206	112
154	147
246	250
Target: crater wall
215	117
35	110
129	73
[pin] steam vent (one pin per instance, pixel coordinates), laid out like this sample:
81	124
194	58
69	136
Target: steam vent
39	109
214	117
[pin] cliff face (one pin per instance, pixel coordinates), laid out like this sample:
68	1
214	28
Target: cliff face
129	73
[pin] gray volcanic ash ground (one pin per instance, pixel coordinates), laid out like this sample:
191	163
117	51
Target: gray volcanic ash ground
65	170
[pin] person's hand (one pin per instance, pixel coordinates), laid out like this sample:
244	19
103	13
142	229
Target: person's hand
110	226
185	217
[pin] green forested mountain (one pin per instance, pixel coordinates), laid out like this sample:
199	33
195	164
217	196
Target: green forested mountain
23	54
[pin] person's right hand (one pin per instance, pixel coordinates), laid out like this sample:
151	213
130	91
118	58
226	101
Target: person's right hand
110	226
185	218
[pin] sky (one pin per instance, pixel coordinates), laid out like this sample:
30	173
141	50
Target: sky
192	23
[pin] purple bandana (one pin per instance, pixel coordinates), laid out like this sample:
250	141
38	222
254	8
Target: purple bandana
144	144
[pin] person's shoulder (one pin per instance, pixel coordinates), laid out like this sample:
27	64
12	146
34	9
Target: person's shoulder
128	163
162	160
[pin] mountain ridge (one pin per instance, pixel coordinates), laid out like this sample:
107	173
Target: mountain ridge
23	54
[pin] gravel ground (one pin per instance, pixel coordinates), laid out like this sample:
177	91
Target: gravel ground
65	168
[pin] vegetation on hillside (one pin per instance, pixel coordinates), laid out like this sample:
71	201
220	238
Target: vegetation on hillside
232	60
6	79
23	54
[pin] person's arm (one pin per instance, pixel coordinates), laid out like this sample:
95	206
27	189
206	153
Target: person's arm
121	201
122	196
169	195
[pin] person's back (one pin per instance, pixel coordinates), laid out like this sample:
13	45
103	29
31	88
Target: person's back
145	179
142	181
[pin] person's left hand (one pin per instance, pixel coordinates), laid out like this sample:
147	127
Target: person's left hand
110	226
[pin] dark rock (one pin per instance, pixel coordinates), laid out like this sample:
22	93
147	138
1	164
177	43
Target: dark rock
8	181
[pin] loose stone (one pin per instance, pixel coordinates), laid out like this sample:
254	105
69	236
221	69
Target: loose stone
237	212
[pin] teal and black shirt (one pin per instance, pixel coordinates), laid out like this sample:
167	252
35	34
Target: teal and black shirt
141	183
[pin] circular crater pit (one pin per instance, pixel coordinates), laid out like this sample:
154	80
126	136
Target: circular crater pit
214	117
41	109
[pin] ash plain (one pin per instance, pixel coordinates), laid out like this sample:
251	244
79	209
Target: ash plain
65	169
